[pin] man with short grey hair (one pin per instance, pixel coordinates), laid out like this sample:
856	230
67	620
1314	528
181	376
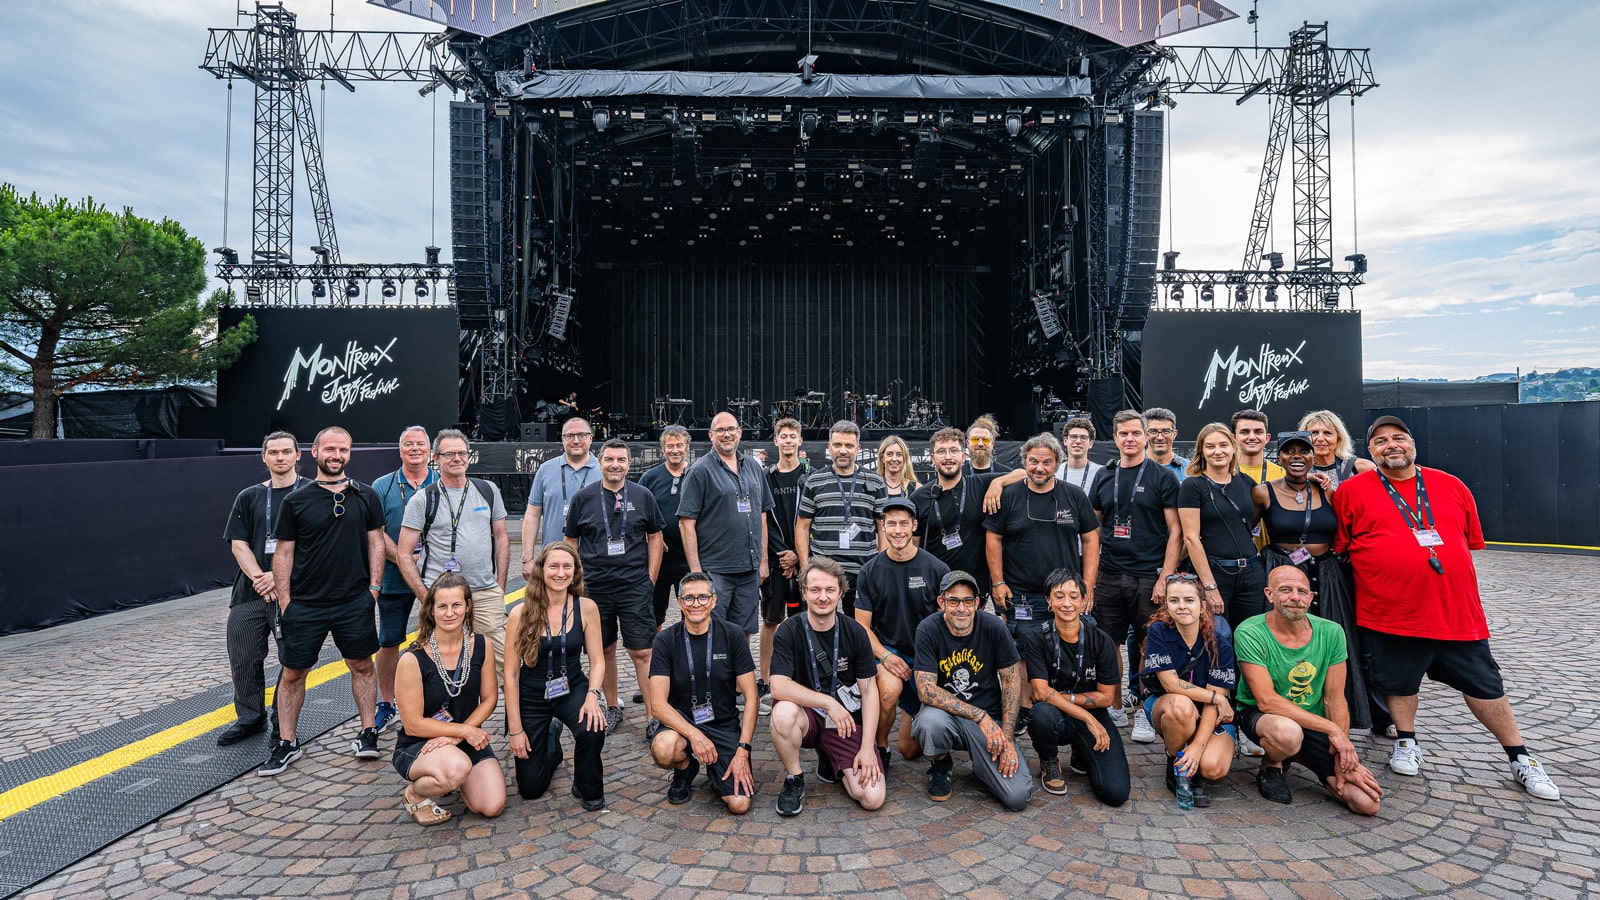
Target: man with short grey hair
723	518
460	524
1161	428
555	482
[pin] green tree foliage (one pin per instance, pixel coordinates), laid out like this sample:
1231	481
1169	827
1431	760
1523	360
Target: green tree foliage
92	297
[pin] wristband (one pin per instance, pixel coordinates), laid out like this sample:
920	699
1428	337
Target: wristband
374	587
599	695
995	584
518	733
745	746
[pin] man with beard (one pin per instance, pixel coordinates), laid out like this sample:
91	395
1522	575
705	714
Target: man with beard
981	435
1291	697
1042	525
951	508
723	516
327	567
1410	532
837	513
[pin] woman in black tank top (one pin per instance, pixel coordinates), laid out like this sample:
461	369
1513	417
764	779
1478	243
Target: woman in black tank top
546	685
446	689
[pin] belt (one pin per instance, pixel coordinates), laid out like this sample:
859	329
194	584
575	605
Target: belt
1235	563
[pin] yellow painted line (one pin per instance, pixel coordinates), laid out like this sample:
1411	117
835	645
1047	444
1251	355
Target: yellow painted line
1545	546
48	787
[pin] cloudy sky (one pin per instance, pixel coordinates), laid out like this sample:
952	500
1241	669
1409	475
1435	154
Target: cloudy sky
1476	183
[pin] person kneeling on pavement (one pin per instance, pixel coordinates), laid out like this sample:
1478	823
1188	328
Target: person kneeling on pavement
1189	677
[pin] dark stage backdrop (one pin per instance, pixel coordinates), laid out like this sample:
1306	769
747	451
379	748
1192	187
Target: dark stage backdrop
373	371
1205	366
710	330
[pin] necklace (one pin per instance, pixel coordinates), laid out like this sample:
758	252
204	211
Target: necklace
1299	492
453	686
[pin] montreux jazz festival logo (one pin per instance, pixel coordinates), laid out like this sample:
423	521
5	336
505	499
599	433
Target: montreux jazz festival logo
345	379
1263	378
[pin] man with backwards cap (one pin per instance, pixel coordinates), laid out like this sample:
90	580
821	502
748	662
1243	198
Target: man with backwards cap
1409	531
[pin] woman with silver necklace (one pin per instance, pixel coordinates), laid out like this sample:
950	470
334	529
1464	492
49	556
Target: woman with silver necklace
446	689
1297	512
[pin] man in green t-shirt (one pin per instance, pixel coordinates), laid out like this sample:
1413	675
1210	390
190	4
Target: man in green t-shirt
1291	696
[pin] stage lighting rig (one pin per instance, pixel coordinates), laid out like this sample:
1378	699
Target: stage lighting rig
602	119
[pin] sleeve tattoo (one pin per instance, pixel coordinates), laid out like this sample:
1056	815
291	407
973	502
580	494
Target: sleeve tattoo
1010	697
939	698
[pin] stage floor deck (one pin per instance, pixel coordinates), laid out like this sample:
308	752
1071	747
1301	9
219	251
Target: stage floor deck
332	826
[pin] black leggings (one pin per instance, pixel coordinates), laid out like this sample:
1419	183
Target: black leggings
541	719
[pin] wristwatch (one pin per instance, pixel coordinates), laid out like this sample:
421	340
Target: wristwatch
599	695
745	746
1210	587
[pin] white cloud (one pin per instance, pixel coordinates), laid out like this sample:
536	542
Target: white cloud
1560	298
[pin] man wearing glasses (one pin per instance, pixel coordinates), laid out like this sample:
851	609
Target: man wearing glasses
1161	430
981	435
697	669
723	519
1078	469
1042	525
950	508
460	526
395	599
553	486
328	563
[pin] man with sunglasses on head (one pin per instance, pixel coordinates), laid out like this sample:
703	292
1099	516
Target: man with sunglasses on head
555	482
326	569
396	597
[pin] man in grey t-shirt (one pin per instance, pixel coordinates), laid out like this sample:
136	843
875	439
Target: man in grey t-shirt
467	535
723	519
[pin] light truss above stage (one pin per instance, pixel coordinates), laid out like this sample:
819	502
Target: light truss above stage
586	84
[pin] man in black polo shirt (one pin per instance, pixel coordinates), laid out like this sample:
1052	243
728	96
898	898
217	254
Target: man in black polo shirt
837	514
327	570
950	509
1137	501
1043	524
697	668
723	517
897	589
616	529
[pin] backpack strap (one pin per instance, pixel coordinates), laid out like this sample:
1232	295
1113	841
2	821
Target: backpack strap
432	492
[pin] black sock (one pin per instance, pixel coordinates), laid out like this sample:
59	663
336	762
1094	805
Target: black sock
1513	752
1405	735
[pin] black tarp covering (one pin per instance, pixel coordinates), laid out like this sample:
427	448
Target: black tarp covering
149	413
499	421
1389	394
582	84
16	415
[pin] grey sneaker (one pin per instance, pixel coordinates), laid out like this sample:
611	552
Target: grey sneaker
1142	732
613	718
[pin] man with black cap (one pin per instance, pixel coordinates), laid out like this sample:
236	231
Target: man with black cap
969	679
896	590
1410	532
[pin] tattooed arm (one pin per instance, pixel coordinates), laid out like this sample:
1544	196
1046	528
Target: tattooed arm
1010	696
929	692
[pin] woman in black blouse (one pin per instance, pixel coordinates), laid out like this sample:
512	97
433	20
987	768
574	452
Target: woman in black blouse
446	689
1219	520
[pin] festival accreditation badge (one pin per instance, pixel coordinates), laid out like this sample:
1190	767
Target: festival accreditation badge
271	546
850	697
952	541
452	565
700	713
443	715
1299	555
615	548
1122	531
1024	610
743	504
1428	537
557	687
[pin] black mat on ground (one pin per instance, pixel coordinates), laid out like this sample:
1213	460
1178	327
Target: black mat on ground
41	841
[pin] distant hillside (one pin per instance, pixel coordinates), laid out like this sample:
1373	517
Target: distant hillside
1548	387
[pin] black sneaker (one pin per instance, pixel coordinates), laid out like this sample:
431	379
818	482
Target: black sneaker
683	782
638	697
1273	785
792	798
1172	777
1024	717
1050	777
939	773
825	771
1197	786
238	731
365	746
283	753
883	758
1073	765
588	805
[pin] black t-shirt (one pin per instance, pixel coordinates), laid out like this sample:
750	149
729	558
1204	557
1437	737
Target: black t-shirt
330	552
247	522
959	510
789	652
1224	526
899	595
1060	665
667	490
730	658
1041	533
968	667
1140	508
785	496
597	523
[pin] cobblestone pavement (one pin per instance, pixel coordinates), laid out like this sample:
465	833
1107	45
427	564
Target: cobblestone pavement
332	826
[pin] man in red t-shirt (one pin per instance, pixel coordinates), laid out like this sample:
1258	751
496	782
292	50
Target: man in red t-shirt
1410	532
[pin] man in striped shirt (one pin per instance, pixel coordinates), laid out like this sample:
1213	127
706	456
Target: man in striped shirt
837	513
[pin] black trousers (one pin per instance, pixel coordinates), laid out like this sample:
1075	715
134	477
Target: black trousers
1052	729
249	625
673	568
540	718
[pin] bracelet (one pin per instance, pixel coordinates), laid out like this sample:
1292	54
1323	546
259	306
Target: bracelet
1213	700
1047	697
995	584
518	733
1073	698
374	587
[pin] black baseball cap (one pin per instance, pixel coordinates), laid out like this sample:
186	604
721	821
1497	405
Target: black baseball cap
898	503
955	577
1286	438
1381	421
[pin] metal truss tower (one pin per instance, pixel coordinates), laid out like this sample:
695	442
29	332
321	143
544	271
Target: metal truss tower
1308	89
272	219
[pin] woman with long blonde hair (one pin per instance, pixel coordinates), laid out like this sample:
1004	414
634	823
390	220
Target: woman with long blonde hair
1334	454
894	467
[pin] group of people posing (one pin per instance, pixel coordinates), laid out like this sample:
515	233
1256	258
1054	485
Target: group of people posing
1270	609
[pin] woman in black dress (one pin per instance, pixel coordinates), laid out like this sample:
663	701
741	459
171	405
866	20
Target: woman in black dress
446	689
547	637
1218	515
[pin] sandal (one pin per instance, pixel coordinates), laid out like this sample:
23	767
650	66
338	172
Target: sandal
425	807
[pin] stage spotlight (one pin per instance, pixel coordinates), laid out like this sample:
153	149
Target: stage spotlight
1241	295
946	183
1207	293
389	289
252	292
800	181
1080	125
352	289
421	289
1011	184
1169	260
983	180
230	256
830	181
770	181
858	180
602	119
808	126
705	182
1358	263
1177	292
319	289
1013	124
431	255
616	177
1272	294
741	118
737	178
1331	299
879	121
1275	260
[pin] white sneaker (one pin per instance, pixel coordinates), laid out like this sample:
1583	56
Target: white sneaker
1406	758
1531	775
1142	732
1248	747
1119	717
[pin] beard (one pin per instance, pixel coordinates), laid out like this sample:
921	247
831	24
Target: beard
1293	614
1406	460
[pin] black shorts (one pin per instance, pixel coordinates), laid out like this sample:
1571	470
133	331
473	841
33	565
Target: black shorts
406	753
1315	753
780	597
352	624
629	608
725	737
1396	664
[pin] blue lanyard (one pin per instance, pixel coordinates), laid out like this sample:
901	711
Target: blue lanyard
688	654
549	660
811	657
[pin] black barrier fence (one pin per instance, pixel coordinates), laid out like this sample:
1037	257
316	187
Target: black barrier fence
1534	468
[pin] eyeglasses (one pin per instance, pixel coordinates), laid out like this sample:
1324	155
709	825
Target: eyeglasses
455	454
729	429
980	441
338	504
962	601
577	436
1079	437
695	599
1161	432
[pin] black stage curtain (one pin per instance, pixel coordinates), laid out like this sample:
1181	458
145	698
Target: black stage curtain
130	414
